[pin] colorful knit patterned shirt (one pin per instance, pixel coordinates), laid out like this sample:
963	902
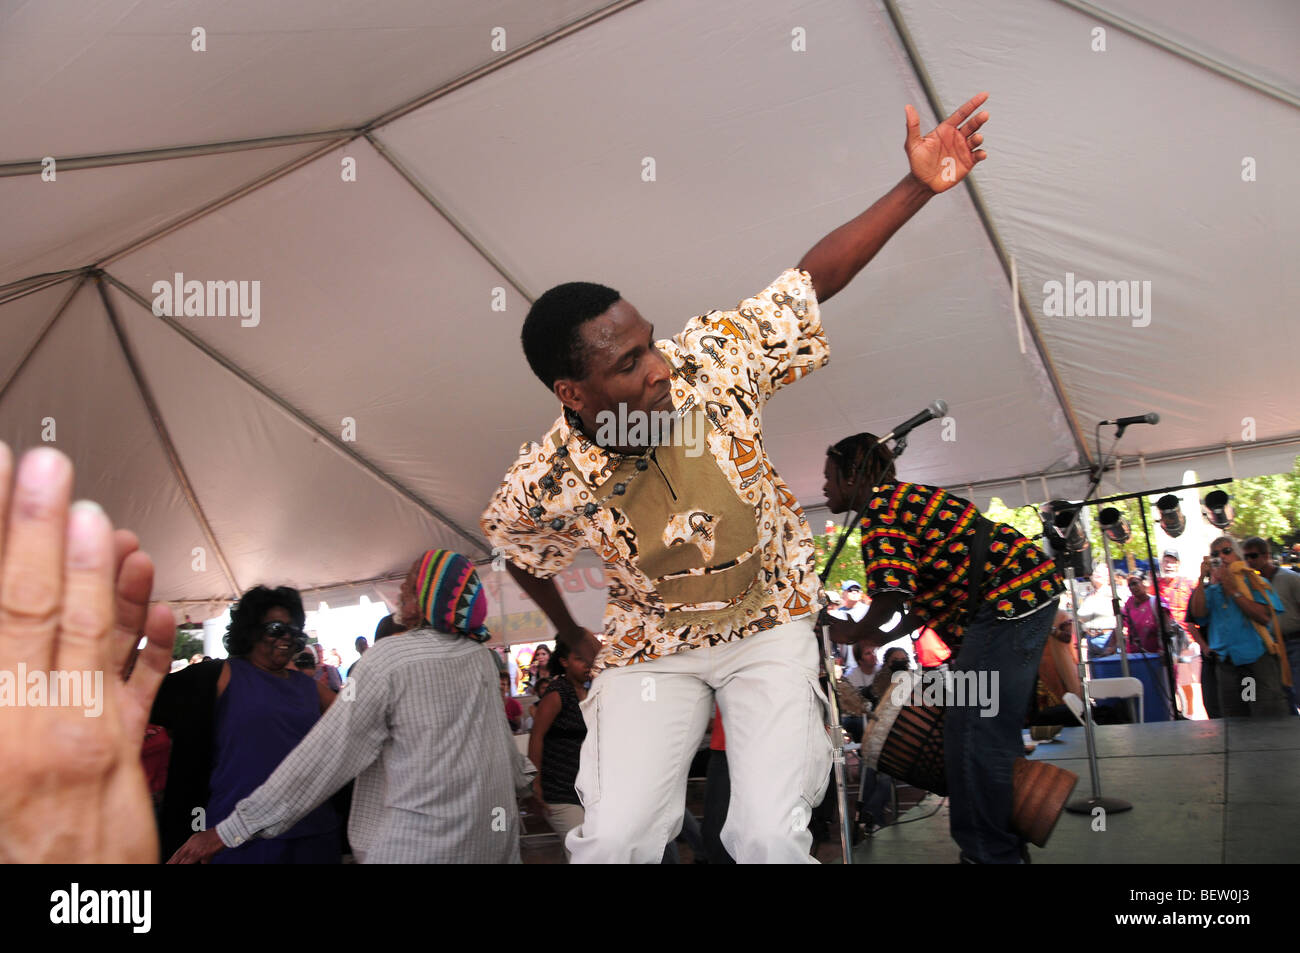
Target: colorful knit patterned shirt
917	540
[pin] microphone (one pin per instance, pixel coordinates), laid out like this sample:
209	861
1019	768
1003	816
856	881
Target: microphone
1138	419
938	408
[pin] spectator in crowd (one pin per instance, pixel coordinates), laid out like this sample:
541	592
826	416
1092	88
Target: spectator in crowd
1286	584
1141	618
514	711
539	671
851	604
1176	591
360	644
387	626
1058	675
1097	613
422	732
332	657
1233	603
556	741
233	721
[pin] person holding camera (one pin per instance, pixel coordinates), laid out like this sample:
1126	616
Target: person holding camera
1238	609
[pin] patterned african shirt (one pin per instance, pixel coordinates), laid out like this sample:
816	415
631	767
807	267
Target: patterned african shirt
917	540
705	547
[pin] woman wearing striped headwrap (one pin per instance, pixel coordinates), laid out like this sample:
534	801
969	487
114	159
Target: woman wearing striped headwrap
443	591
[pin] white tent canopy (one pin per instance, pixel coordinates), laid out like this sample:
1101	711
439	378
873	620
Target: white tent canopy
501	147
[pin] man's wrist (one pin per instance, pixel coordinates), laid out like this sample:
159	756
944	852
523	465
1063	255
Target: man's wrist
915	189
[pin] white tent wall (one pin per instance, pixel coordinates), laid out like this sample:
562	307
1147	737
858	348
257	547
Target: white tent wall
485	175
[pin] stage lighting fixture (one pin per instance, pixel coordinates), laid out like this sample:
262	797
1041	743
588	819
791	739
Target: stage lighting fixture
1073	549
1218	509
1114	525
1171	515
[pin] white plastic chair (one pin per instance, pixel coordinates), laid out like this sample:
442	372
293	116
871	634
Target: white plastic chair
1118	688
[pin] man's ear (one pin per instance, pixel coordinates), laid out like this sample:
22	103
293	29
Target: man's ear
570	394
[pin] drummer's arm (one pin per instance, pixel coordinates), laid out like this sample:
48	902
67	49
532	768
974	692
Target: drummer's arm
883	608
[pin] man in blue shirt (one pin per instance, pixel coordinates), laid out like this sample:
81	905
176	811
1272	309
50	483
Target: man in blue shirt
1226	605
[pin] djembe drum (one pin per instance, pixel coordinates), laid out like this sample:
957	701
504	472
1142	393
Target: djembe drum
905	741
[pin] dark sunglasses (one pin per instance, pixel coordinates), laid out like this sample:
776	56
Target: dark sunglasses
1227	551
283	631
1252	555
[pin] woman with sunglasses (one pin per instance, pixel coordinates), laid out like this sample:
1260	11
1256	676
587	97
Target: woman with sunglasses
1238	609
232	722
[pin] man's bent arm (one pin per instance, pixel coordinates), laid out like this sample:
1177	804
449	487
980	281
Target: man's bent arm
835	260
546	594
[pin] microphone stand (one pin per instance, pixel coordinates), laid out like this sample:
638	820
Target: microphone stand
1109	805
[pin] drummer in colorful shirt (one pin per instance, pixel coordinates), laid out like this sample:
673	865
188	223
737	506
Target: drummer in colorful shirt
713	585
917	543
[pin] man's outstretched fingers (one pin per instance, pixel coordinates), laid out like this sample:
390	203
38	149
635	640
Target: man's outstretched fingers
976	121
150	669
87	617
972	104
31	582
131	605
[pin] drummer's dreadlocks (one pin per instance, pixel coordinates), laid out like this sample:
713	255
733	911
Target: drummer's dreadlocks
862	460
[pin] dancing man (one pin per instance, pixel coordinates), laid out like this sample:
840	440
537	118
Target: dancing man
709	556
924	551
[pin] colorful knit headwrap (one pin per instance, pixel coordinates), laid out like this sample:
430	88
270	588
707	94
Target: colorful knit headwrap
450	595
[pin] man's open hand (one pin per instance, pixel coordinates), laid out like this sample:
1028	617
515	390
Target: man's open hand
944	157
73	603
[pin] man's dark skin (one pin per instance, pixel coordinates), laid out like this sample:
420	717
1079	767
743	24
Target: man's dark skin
842	496
623	366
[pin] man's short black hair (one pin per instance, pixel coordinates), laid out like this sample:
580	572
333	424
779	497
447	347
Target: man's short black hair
551	337
863	455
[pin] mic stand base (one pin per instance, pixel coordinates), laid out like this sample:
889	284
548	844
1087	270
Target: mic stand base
1111	805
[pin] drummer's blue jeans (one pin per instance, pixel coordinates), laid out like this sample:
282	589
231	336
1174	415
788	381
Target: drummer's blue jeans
980	748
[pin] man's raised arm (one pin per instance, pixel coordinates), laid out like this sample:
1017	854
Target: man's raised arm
938	162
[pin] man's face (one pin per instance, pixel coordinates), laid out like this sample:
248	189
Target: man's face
1169	566
1255	558
835	487
623	367
852	596
1136	588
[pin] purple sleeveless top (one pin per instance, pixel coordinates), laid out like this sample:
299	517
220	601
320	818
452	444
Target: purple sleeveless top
260	719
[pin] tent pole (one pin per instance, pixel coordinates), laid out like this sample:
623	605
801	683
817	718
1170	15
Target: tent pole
464	232
1183	52
160	427
297	415
981	210
109	159
58	313
34	283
